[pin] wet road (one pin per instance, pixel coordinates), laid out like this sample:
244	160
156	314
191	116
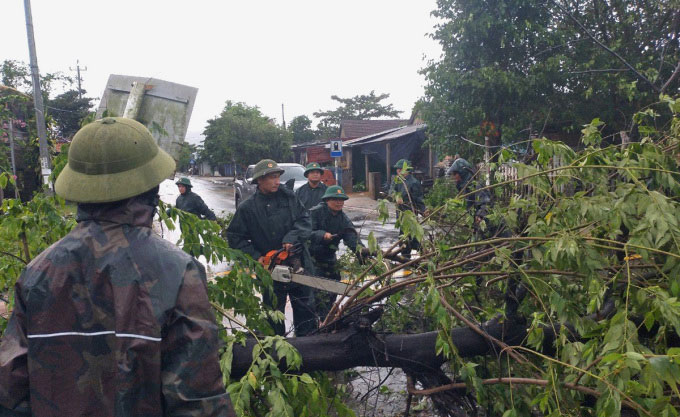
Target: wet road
219	196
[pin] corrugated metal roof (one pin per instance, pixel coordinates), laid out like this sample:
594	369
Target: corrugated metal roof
403	131
361	128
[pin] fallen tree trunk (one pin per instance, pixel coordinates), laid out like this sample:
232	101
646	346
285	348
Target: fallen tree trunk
357	346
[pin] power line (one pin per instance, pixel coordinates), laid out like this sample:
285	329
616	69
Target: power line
62	110
491	146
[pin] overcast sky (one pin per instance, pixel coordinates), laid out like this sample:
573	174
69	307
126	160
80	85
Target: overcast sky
261	52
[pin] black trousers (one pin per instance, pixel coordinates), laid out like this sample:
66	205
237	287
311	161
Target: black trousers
302	301
324	300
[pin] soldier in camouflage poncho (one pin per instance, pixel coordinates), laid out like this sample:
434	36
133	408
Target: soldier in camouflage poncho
112	320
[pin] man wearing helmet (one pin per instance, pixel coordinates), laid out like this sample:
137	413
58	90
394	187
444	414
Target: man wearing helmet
274	218
112	319
331	225
191	202
310	194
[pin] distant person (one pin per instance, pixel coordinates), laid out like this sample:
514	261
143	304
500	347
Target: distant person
462	173
191	202
408	195
330	226
112	319
310	194
273	218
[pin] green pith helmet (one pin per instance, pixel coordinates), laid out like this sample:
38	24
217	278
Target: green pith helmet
334	191
184	181
112	159
403	162
264	167
460	166
314	166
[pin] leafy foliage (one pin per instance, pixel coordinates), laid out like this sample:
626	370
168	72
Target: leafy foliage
243	134
530	66
26	229
588	252
301	128
67	111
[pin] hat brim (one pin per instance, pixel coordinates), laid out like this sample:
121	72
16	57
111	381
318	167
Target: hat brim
267	172
340	196
104	188
307	171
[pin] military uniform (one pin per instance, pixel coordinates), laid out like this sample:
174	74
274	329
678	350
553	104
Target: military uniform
411	193
409	189
463	168
310	197
112	320
265	222
324	251
192	202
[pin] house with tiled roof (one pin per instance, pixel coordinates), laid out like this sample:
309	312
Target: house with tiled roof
373	146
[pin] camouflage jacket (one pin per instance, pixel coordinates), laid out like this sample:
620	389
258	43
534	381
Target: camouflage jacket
309	196
194	204
112	320
324	221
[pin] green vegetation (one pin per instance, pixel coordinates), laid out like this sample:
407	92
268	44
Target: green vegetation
511	68
361	107
242	134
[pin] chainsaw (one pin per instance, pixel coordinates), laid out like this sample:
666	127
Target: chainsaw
286	266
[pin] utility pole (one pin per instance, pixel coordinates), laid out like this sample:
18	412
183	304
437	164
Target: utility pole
80	90
45	164
283	117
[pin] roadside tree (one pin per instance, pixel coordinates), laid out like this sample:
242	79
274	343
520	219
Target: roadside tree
67	112
301	128
361	107
244	135
512	68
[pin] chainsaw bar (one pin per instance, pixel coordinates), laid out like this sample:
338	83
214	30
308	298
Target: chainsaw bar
285	274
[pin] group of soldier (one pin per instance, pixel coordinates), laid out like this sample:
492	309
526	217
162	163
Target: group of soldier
311	219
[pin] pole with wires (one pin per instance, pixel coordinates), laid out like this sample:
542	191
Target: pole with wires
45	163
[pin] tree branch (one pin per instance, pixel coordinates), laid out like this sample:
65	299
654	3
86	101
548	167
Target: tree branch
14	256
673	76
603	46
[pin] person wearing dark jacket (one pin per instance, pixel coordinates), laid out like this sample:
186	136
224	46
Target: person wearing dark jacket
408	195
330	225
191	202
112	320
310	194
274	218
462	173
